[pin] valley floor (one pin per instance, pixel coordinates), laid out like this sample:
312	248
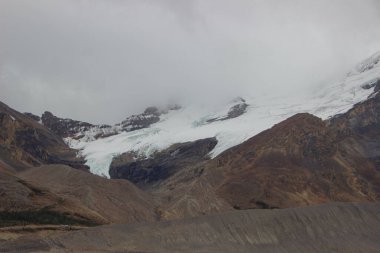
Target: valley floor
336	227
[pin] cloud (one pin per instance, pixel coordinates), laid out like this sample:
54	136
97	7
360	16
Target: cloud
102	60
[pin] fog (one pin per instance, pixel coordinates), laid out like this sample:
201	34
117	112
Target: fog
102	60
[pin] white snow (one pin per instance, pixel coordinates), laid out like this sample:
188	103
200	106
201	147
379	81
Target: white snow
190	122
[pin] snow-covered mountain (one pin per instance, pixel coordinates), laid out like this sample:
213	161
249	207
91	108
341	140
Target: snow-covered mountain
231	123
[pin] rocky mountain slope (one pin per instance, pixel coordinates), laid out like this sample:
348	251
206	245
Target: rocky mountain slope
26	143
300	161
59	194
43	181
23	202
348	228
101	200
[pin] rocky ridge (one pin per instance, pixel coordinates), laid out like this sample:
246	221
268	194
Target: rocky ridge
75	131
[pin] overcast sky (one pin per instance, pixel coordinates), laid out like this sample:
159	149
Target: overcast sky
101	60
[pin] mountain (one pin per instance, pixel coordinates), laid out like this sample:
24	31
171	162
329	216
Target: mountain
230	122
300	161
184	176
77	133
26	143
43	181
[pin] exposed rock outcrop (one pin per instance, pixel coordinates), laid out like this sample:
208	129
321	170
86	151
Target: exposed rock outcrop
239	108
135	122
236	111
150	116
163	164
64	127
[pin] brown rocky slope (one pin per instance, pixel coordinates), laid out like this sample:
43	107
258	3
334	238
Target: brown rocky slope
59	194
113	201
298	162
43	182
26	143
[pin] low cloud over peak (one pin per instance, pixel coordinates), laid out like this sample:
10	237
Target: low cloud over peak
101	60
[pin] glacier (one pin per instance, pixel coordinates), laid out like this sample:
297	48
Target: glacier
190	123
